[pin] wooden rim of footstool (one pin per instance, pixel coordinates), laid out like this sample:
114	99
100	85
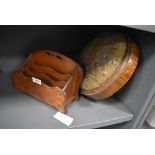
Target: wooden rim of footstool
121	75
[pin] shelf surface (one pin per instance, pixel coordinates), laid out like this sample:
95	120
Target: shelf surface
146	126
19	110
149	28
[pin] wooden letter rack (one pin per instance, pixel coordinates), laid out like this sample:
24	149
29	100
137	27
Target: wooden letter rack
57	78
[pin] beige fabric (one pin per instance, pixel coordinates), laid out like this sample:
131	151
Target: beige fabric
101	58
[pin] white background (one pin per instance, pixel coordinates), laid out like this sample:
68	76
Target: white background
80	142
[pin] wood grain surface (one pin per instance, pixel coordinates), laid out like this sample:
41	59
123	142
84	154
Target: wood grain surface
60	78
121	75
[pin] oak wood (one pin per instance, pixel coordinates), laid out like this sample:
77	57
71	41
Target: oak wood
61	78
122	75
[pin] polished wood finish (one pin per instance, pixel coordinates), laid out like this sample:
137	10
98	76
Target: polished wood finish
60	78
121	77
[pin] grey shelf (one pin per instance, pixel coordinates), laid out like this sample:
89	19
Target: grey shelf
146	126
149	28
19	110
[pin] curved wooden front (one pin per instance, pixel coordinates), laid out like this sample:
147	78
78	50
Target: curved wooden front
59	75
